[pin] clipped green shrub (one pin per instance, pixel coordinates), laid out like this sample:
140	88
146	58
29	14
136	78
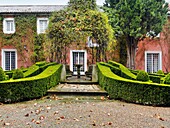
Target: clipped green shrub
167	79
124	71
114	69
131	90
160	72
42	63
142	76
2	75
155	79
42	68
32	71
30	88
18	74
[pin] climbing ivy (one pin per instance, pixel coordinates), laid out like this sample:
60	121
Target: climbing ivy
25	34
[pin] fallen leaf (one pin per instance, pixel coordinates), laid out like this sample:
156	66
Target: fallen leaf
33	120
38	122
42	118
26	115
27	123
37	111
56	112
91	111
35	104
161	119
94	123
62	117
75	119
48	107
7	124
109	123
103	124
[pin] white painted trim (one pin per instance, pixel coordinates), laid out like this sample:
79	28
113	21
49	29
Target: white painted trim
38	24
3	57
5	26
160	55
85	59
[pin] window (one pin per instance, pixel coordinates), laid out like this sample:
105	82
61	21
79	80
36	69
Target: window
9	59
8	25
42	24
153	61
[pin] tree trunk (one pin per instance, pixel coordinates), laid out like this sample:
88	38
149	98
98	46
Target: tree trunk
131	52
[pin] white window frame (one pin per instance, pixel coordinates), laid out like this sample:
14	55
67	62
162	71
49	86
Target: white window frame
85	59
154	52
3	57
38	24
5	25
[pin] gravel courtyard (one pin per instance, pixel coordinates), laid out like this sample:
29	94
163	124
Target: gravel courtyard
57	113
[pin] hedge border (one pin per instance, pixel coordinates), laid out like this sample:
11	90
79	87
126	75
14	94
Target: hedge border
133	91
29	88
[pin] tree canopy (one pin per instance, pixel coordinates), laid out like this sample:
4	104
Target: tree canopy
81	19
136	19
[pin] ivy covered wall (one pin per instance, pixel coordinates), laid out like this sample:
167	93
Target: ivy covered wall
28	43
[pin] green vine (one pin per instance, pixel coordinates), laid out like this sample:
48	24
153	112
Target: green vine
25	34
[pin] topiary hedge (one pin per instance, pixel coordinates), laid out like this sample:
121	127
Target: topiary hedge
167	79
124	71
2	74
32	71
142	76
32	87
132	90
18	74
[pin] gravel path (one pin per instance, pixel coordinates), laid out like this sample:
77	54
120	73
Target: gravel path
55	113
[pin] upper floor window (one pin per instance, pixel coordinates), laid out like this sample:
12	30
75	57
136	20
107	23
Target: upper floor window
42	24
8	25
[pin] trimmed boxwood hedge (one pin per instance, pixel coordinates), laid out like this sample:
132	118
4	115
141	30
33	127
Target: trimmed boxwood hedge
132	90
32	71
124	71
32	87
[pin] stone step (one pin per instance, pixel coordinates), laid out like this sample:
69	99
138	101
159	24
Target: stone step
76	98
79	82
77	89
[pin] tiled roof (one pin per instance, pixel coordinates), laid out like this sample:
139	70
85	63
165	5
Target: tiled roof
30	8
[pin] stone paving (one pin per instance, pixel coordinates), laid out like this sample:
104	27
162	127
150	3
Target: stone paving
81	86
77	88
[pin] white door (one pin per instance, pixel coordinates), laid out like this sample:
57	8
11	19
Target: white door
78	57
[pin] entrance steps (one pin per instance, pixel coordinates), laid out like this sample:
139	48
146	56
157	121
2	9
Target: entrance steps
77	89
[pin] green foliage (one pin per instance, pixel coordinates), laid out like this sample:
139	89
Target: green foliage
167	79
114	69
25	34
30	88
132	90
17	74
160	72
75	24
32	71
142	76
135	19
38	54
124	71
2	74
83	4
42	63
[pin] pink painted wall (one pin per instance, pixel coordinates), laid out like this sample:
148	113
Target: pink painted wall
157	44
